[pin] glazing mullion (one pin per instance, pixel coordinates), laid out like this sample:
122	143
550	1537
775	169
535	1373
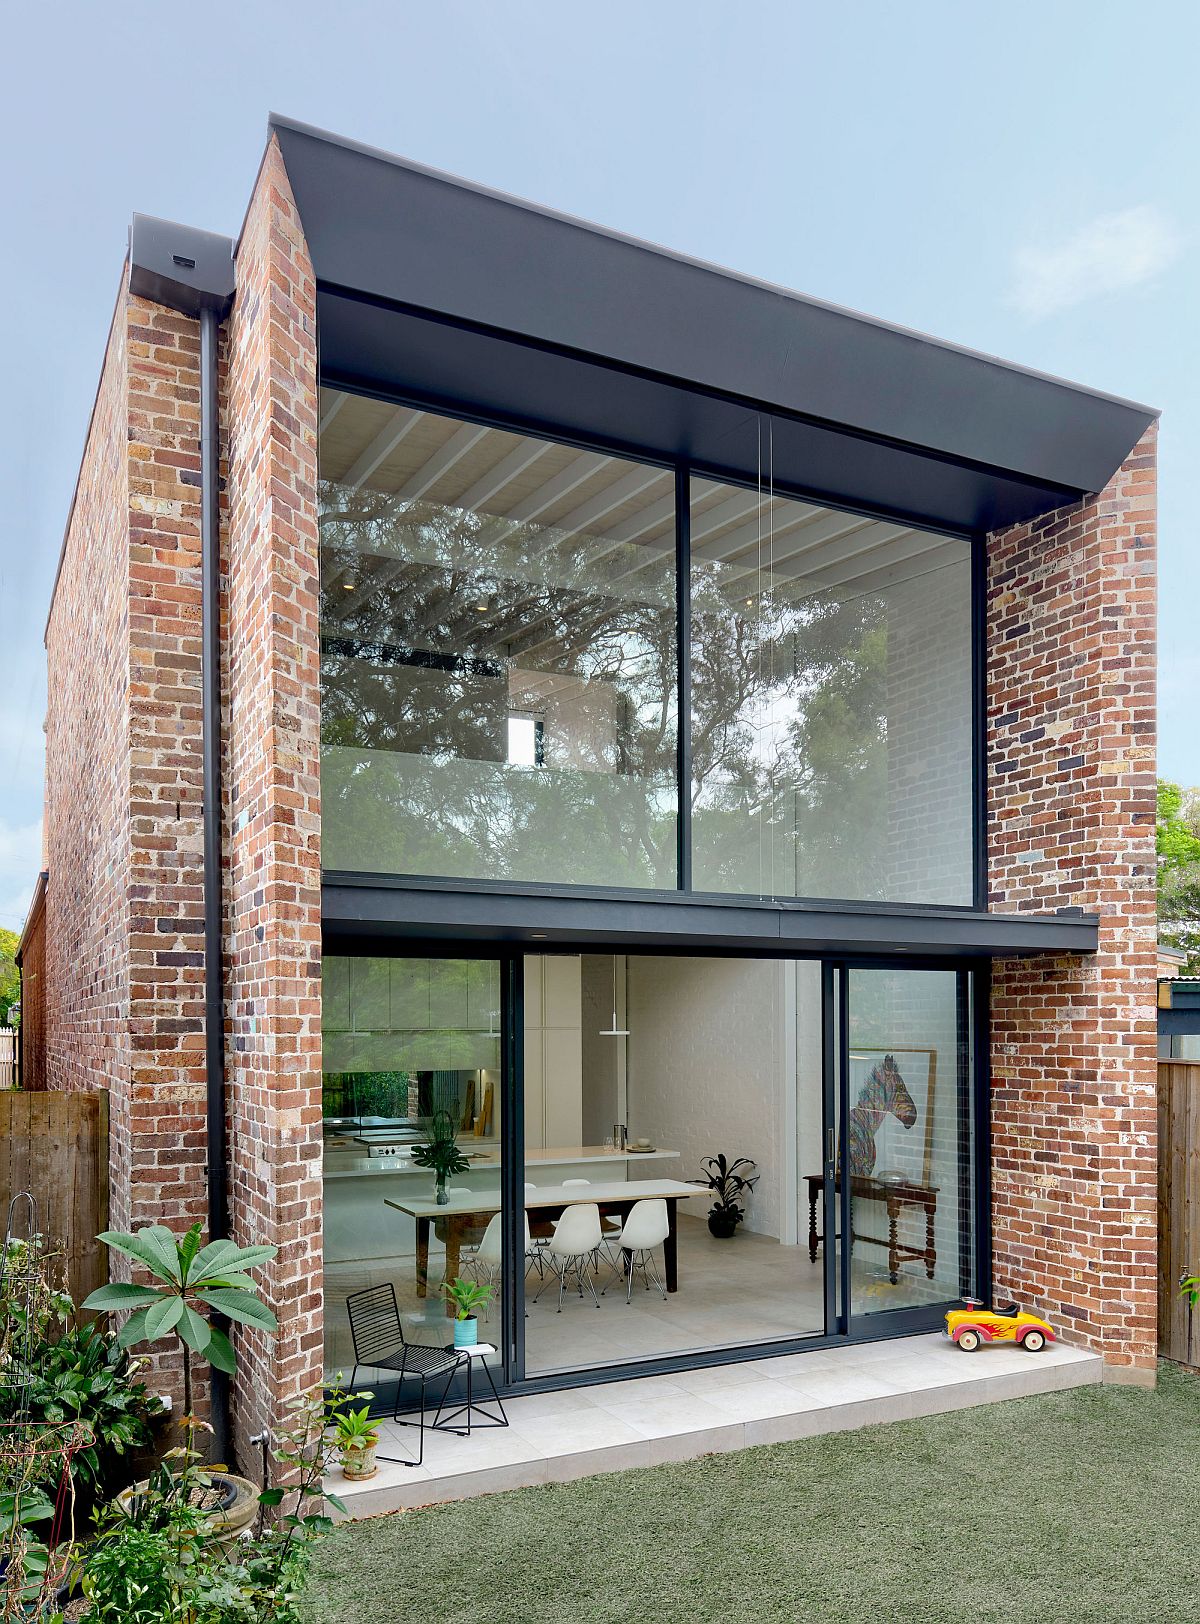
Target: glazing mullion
512	1155
683	621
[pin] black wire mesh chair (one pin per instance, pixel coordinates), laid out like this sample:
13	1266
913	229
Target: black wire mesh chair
379	1343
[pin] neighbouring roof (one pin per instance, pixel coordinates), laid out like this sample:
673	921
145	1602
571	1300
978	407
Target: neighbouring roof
427	282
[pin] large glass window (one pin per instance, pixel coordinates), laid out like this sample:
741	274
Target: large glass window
640	1072
498	653
908	1139
411	1061
831	702
499	662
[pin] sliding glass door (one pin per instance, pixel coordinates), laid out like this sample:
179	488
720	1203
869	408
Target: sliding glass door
414	1107
904	1195
646	1077
643	1154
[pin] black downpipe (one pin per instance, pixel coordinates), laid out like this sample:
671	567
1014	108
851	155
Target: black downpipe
210	682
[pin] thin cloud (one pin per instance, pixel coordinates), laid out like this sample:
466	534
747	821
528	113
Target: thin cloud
1111	254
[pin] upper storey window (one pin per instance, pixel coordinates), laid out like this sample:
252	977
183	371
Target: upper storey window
831	702
500	665
498	654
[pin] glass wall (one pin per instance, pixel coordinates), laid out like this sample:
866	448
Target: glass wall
498	653
908	1139
831	703
411	1060
647	1079
685	1060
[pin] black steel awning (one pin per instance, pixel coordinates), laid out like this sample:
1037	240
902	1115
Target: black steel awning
374	908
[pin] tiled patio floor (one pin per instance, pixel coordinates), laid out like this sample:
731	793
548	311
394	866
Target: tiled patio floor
553	1437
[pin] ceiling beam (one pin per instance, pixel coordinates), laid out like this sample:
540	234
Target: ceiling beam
504	472
402	420
562	484
331	411
427	476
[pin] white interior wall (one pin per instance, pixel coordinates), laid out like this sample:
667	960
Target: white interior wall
706	1064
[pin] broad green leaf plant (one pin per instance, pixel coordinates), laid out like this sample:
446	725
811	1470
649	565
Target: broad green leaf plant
191	1274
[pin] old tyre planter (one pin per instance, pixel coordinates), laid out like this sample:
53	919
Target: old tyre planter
230	1508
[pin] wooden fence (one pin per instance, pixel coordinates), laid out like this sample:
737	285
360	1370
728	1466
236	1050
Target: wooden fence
1178	1206
8	1057
55	1145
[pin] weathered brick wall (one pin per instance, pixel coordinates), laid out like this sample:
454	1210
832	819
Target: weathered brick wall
87	839
1071	728
273	767
124	915
165	796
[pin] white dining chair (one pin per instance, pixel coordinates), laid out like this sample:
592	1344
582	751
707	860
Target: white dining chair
486	1264
573	1248
646	1227
610	1226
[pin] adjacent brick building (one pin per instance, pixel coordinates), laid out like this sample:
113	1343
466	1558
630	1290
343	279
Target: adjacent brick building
359	279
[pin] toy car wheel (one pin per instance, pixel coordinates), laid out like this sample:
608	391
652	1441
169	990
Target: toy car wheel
969	1340
1033	1341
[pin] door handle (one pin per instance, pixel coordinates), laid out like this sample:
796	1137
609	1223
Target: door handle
830	1154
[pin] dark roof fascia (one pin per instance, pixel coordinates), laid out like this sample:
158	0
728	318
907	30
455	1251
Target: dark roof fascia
37	906
407	234
180	266
382	907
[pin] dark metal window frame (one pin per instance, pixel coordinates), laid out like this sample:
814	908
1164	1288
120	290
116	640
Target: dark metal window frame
683	470
842	1327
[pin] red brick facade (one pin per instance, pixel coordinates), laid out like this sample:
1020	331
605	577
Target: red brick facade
273	784
1071	729
1071	771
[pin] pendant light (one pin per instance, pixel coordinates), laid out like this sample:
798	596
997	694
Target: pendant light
614	1031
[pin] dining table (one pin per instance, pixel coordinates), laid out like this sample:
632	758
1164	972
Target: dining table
454	1220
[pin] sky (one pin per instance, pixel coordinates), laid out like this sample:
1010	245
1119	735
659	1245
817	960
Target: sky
1020	179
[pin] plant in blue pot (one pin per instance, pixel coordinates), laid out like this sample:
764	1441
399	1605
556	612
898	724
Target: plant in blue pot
464	1298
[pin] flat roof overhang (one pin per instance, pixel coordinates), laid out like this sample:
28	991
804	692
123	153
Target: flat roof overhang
435	286
453	912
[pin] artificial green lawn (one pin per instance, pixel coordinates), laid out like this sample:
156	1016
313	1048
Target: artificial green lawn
1082	1505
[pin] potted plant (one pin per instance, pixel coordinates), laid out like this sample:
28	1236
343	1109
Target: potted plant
191	1276
441	1152
358	1438
464	1297
728	1185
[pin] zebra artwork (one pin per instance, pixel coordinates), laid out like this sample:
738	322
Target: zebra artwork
883	1092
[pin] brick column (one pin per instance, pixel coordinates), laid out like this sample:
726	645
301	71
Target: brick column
272	729
1071	745
124	907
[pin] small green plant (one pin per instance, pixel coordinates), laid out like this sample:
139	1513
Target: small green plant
153	1564
355	1429
1189	1287
86	1376
466	1296
191	1274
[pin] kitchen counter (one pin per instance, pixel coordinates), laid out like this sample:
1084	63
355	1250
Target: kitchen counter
482	1153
